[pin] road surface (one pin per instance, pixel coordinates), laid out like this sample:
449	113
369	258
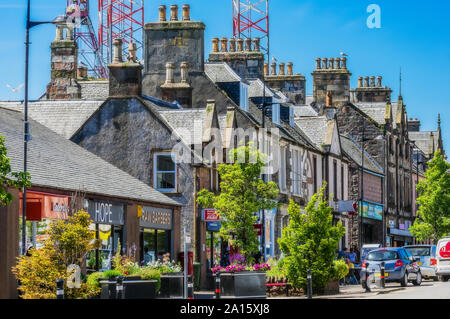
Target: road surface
428	290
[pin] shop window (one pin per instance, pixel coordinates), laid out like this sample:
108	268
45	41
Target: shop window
155	243
165	172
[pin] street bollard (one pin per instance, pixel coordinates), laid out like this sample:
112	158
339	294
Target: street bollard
119	287
309	287
217	285
383	280
60	289
367	278
190	291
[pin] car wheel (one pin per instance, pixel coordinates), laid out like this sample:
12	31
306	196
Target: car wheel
444	278
404	280
418	280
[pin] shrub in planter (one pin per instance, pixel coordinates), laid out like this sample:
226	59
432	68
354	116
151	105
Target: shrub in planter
149	274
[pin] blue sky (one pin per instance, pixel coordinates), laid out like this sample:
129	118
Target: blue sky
414	35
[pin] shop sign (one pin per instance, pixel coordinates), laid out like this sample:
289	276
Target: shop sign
213	226
157	218
210	215
105	212
371	211
46	206
402	226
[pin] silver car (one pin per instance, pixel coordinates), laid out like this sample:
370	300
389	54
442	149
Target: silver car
427	256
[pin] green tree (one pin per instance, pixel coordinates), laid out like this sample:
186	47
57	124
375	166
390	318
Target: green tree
310	242
243	193
434	202
9	178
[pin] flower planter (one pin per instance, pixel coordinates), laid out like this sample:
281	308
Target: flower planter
133	288
245	284
171	286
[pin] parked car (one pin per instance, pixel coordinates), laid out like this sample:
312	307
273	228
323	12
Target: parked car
400	266
427	256
443	259
366	249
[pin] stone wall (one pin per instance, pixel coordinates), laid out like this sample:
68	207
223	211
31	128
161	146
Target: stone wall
94	90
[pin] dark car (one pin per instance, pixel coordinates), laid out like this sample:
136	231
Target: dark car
400	266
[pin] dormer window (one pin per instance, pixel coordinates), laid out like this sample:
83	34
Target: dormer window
276	113
243	96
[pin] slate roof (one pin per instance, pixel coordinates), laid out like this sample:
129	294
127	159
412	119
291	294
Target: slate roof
424	140
377	111
64	117
354	151
56	162
304	111
221	72
256	89
315	128
191	120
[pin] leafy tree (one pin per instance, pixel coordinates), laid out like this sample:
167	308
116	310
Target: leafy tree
243	193
434	202
9	178
68	244
310	242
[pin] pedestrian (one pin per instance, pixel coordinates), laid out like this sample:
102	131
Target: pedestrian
351	278
352	255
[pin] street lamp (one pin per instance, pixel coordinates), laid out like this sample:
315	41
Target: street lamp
29	24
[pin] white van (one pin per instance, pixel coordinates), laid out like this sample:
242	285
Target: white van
443	258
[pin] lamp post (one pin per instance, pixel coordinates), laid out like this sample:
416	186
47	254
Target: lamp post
29	24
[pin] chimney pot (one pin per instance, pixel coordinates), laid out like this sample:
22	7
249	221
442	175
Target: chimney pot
59	32
69	35
379	81
224	44
282	68
240	44
162	13
215	45
266	68
344	63
232	44
170	66
256	44
360	81
248	44
174	12
117	57
325	63
290	68
186	12
132	49
318	63
372	81
366	81
184	72
331	63
338	63
329	101
273	68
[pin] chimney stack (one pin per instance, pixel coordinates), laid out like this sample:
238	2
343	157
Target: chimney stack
186	12
174	12
162	13
290	68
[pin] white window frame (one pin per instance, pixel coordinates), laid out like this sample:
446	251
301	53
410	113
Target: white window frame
155	172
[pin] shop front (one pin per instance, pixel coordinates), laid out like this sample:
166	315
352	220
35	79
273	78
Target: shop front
156	233
372	222
108	221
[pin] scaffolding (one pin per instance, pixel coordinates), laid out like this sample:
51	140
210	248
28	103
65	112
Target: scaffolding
120	19
251	20
89	54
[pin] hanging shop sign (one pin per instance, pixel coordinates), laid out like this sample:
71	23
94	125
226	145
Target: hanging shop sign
210	215
105	212
371	211
157	218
